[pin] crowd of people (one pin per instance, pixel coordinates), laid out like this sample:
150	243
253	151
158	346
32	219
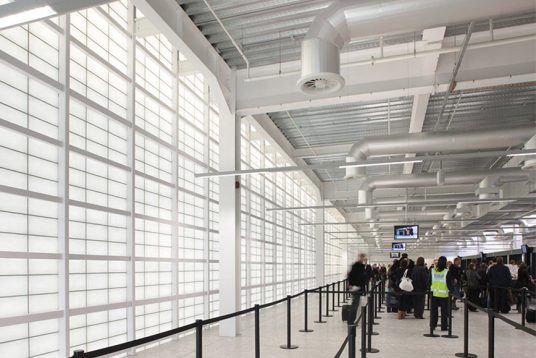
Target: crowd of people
493	284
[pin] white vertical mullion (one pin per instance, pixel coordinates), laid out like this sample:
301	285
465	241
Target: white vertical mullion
284	238
175	194
263	225
248	222
206	221
63	185
131	154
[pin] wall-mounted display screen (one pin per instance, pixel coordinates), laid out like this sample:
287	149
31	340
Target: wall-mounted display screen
395	255
398	246
524	249
406	232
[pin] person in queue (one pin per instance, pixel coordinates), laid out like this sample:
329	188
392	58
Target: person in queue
391	297
499	280
473	284
455	272
404	300
523	281
440	293
420	278
357	281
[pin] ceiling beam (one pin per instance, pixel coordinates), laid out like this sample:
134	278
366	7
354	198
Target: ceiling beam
505	64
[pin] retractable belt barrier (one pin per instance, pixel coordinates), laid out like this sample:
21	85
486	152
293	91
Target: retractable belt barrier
198	324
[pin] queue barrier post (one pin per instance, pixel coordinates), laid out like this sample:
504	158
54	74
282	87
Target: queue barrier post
363	331
289	323
327	302
257	332
198	338
491	333
465	353
306	314
370	319
431	334
333	297
339	294
375	300
320	306
351	341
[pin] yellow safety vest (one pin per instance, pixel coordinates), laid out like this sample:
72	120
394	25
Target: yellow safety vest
439	283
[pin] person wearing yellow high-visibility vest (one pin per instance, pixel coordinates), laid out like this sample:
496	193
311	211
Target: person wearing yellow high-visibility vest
440	293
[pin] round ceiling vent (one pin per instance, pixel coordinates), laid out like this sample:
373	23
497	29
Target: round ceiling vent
321	83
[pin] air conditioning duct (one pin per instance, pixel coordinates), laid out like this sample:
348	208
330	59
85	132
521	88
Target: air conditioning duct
431	142
347	20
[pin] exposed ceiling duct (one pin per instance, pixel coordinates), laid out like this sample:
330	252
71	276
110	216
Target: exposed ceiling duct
451	141
364	194
347	20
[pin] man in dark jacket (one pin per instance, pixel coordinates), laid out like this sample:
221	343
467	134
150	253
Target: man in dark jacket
357	281
499	279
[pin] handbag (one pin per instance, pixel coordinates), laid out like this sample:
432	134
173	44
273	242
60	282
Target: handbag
406	284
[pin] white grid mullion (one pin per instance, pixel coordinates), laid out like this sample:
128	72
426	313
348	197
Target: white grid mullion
175	195
206	221
131	183
63	187
263	225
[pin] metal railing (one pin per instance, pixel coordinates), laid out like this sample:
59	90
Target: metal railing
199	324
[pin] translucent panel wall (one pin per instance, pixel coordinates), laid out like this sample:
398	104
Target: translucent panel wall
334	250
277	253
105	234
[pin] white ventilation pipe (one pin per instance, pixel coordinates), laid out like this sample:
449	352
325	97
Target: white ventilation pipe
347	20
364	194
451	141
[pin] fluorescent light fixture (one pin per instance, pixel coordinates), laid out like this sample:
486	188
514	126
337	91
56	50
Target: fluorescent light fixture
520	154
26	16
378	164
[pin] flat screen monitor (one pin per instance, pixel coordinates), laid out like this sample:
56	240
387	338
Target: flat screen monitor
524	249
398	246
395	255
406	232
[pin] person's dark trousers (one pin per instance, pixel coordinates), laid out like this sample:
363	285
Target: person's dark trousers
438	302
355	306
472	295
418	305
503	305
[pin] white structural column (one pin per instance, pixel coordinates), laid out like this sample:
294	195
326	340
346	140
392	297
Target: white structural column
229	222
63	187
320	246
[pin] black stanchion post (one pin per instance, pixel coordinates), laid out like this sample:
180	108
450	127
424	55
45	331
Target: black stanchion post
351	341
363	331
198	338
306	314
79	353
320	306
450	335
289	327
380	298
524	293
375	300
370	321
465	353
427	301
491	332
327	302
333	297
257	332
339	294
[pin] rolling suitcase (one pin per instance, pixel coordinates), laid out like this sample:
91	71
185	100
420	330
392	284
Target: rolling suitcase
531	315
345	311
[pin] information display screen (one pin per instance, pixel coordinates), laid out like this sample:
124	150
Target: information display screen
395	255
398	246
524	249
406	232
